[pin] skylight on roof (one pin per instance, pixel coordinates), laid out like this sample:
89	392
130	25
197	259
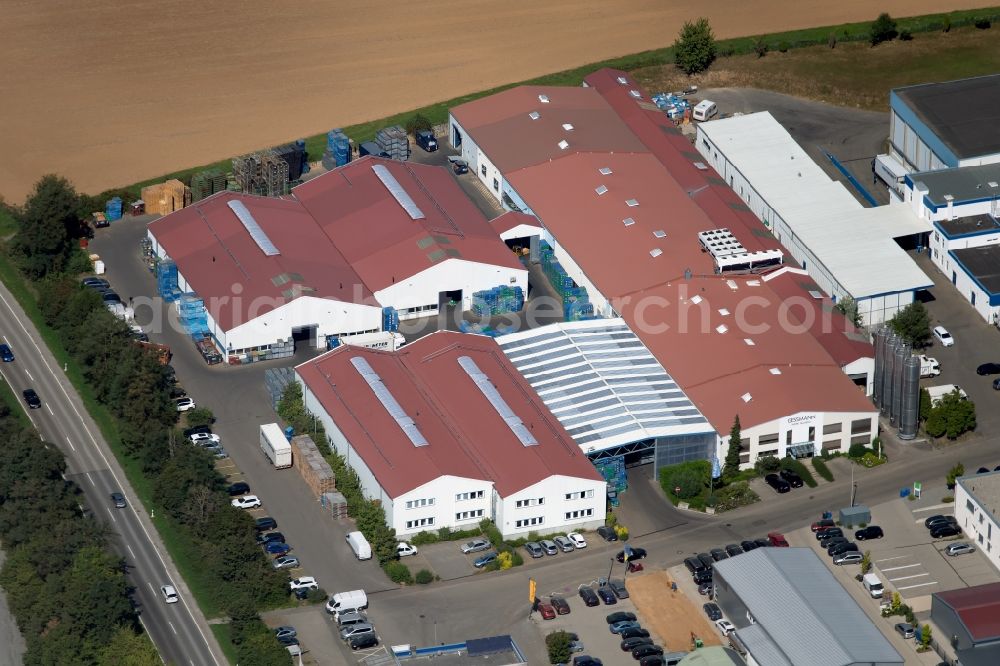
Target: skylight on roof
399	194
405	423
660	233
775	371
601	189
622	80
568	127
750	343
732	284
696	299
815	294
700	166
605	171
250	224
628	221
721	328
544	99
564	144
753	283
632	203
655	252
534	115
724	312
635	93
746	397
490	392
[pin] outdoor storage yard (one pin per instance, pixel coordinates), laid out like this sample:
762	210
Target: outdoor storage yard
108	93
670	614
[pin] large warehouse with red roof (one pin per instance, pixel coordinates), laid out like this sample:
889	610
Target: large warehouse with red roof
446	432
326	260
633	214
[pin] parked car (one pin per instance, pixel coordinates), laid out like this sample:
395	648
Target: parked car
905	629
636	554
763	543
483	560
705	587
560	604
620	616
870	532
703	576
286	562
718	554
822	524
118	500
636	632
586	660
460	167
617	627
589	597
938	518
630	644
646	651
288	640
850	557
707	560
547	611
983	470
943	336
693	564
618	587
607	596
988	369
271	537
534	549
202	437
827	544
305	582
111	297
564	544
196	430
841	548
169	594
363	641
713	611
793	479
31	399
6	355
777	483
943	531
548	546
733	550
653	660
285	632
404	549
266	523
475	546
277	548
95	283
358	629
748	545
828	532
607	533
577	539
185	404
576	646
246	502
960	548
725	627
777	539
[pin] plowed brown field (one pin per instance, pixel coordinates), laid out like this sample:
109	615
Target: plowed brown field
109	92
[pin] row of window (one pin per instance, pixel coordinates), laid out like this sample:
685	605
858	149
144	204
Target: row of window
583	494
582	513
476	494
469	515
529	522
520	504
416	504
858	426
420	308
419	522
479	494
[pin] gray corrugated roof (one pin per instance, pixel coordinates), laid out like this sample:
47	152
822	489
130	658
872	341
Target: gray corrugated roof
969	183
802	608
760	645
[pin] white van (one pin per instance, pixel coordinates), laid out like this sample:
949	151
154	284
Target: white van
359	544
873	585
343	602
705	110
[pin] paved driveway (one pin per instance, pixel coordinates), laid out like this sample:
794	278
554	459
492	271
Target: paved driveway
447	560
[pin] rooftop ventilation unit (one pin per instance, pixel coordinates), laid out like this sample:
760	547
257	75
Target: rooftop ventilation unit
628	221
605	171
568	127
731	256
660	233
632	203
490	392
406	424
753	283
696	299
564	144
635	93
398	193
622	80
250	224
601	189
534	115
655	252
544	99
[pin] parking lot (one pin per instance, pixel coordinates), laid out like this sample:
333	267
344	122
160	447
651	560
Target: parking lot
592	628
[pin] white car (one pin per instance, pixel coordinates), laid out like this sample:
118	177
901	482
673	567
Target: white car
246	502
943	336
304	583
404	549
169	594
185	404
577	539
725	627
205	438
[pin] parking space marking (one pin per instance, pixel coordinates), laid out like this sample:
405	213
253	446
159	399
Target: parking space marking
910	587
931	508
893	580
29	375
905	566
889	559
70	443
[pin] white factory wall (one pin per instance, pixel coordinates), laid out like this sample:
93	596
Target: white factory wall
424	289
862	366
970	290
907	147
329	315
878	309
940	246
831	431
545	505
914	196
436	504
468	149
978	523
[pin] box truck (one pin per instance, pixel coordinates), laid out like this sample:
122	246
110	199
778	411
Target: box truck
385	340
274	445
929	367
359	544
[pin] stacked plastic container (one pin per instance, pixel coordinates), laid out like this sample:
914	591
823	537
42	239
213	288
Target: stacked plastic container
166	281
192	313
613	471
338	149
498	300
394	141
390	319
206	183
673	105
576	302
113	209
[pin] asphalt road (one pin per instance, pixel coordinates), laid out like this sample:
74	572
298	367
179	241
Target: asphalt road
179	631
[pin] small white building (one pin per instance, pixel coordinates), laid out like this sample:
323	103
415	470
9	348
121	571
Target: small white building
977	510
445	433
821	224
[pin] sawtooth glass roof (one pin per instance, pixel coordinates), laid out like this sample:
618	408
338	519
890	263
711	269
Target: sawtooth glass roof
601	383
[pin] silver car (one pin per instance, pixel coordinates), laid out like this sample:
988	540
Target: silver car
475	546
351	618
549	547
960	548
533	549
357	630
564	544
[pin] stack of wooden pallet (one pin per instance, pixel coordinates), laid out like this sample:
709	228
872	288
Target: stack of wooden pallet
164	198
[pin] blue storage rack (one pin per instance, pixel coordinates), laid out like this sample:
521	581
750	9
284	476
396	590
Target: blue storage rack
390	319
113	209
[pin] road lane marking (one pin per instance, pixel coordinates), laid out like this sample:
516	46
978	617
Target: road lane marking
49	407
150	587
6	340
91	479
910	587
172	628
893	580
111	513
905	566
29	374
70	441
130	551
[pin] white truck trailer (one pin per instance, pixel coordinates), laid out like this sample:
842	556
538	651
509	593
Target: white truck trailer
938	392
384	340
274	446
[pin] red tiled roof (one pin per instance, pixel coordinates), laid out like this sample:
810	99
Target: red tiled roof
220	260
467	437
377	236
978	607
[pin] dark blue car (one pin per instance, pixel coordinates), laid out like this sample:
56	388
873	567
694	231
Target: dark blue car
6	355
277	548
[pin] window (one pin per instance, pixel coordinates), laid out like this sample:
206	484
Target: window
416	504
419	522
529	522
833	428
583	513
861	426
475	494
483	170
583	494
768	439
468	515
520	504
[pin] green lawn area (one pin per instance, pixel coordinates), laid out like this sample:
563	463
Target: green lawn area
222	634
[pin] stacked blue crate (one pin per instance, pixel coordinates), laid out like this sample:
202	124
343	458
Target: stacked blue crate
193	316
613	471
113	209
390	319
338	146
498	300
166	280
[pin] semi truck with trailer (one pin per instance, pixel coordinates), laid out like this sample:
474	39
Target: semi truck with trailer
385	340
275	446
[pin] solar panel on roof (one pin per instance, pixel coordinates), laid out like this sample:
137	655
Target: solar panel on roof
406	424
398	193
490	392
250	224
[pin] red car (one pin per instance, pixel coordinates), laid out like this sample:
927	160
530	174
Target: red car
547	611
822	524
777	539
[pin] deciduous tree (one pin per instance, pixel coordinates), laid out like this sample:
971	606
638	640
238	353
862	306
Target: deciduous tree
695	48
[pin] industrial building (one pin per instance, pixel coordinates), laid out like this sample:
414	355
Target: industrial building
446	432
951	124
822	225
327	260
967	624
977	510
789	610
650	233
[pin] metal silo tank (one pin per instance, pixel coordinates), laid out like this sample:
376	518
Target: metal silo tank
879	366
888	361
901	353
910	412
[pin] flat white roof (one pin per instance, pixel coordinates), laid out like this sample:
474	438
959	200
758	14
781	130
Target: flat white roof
854	243
601	383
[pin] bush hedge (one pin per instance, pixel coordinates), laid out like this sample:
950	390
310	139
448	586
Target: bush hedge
423	577
398	572
820	466
796	466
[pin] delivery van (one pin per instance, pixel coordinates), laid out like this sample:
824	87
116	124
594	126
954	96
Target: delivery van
873	585
359	544
344	602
